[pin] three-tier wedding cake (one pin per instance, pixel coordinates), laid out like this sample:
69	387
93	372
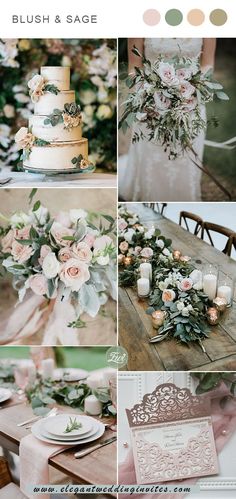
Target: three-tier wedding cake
53	140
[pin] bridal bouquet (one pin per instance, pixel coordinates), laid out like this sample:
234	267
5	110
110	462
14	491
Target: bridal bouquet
167	98
62	259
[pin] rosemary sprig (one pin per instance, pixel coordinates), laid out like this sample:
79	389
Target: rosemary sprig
73	425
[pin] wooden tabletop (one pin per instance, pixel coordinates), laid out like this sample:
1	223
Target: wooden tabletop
135	326
99	467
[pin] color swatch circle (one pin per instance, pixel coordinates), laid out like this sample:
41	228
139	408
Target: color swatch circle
174	17
196	17
218	17
151	17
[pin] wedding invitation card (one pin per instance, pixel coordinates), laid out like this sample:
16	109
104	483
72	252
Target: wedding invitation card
172	436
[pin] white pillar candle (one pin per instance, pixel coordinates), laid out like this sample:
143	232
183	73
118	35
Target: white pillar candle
143	285
107	376
47	368
225	292
92	405
209	285
95	381
146	270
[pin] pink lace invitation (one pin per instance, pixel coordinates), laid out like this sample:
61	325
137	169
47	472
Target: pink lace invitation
172	436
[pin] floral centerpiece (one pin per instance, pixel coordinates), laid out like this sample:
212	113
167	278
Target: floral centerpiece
64	259
177	288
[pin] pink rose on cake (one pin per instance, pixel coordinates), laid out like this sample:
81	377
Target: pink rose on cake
74	274
36	86
24	139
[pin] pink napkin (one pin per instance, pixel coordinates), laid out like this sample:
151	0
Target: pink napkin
224	425
34	469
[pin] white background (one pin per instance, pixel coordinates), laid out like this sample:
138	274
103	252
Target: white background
115	19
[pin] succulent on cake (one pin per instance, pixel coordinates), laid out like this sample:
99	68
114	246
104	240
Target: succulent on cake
38	86
71	116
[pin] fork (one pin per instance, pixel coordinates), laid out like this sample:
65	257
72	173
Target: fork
53	412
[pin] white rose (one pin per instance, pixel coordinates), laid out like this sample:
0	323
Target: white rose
141	116
66	61
185	312
161	285
9	111
104	112
149	234
89	110
160	243
19	218
22	98
101	242
50	266
187	90
166	252
103	260
129	235
180	306
36	83
87	96
76	215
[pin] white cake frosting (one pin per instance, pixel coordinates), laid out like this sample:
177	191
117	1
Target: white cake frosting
57	75
51	133
56	141
56	156
48	102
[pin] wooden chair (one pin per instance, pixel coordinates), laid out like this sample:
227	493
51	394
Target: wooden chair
8	489
209	227
159	207
184	216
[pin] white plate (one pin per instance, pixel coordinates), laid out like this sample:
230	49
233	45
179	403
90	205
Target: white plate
56	425
5	394
36	431
44	433
70	374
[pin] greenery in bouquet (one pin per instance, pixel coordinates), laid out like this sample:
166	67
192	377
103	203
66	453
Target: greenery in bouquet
71	256
93	77
45	393
165	102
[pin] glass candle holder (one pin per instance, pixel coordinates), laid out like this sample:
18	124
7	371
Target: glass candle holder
225	288
210	280
143	287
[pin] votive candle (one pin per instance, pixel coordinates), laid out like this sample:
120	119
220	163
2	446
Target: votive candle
92	405
146	270
209	285
143	285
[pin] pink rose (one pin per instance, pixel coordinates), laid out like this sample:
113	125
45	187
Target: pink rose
167	74
38	284
186	284
44	250
63	218
101	242
20	252
58	231
187	90
122	224
65	254
183	74
89	240
162	103
7	241
137	250
23	233
82	251
146	253
74	274
168	295
123	246
190	104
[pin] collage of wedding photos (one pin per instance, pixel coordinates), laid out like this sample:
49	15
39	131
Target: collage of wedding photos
117	267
